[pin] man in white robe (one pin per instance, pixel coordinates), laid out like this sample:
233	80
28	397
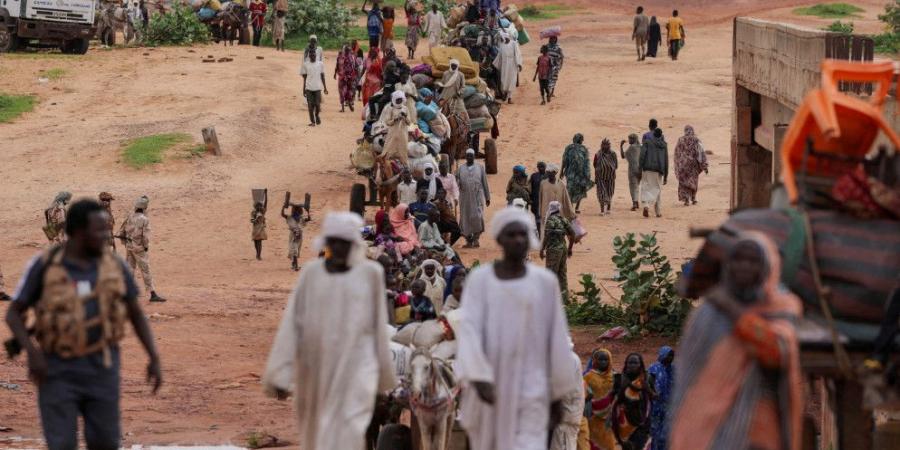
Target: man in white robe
509	62
513	359
331	349
434	26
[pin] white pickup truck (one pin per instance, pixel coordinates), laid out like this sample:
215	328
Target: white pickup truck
67	24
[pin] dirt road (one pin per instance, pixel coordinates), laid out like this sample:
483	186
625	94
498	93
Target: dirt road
215	331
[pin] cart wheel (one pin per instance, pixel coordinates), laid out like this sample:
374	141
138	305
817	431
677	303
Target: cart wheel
358	199
490	156
394	437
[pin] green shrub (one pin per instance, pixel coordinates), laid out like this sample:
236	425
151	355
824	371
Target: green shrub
178	27
830	10
840	27
888	43
12	106
585	307
649	297
54	74
891	17
324	18
150	149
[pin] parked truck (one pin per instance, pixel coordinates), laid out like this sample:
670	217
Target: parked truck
67	24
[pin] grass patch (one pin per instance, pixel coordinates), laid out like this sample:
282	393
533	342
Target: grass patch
32	54
12	106
54	73
545	12
830	10
840	27
300	41
149	150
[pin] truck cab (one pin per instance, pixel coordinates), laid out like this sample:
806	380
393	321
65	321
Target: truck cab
67	24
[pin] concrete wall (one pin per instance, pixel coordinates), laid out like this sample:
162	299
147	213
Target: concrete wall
774	66
777	60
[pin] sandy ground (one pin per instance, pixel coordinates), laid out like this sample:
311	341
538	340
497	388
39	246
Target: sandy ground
215	331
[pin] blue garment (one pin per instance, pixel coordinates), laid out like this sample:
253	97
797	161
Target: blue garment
664	376
490	5
451	275
422	309
373	22
420	211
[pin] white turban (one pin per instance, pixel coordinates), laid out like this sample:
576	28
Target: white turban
470	151
343	225
511	215
552	168
398	95
452	62
519	203
553	207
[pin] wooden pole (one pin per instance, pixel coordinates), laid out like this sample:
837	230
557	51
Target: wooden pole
211	140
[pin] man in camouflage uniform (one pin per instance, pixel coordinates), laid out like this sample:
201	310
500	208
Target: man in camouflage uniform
556	229
135	231
106	201
55	218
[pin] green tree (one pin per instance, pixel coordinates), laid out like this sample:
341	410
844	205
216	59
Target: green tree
891	17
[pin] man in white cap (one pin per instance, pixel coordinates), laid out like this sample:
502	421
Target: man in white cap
514	359
554	189
474	195
331	348
509	63
135	231
397	119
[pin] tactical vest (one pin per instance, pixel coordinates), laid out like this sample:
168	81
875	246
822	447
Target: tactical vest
61	326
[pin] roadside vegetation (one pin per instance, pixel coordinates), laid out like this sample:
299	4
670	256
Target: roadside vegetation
181	26
148	150
13	106
649	303
830	10
545	12
888	42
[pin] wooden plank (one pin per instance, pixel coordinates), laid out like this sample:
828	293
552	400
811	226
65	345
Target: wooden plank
744	132
869	55
856	54
211	140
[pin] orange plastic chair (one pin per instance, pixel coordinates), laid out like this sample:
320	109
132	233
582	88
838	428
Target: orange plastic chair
842	127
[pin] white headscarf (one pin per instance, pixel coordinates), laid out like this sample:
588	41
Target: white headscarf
432	179
343	225
452	62
511	215
398	95
553	207
438	269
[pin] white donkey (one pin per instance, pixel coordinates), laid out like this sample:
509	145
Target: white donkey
432	398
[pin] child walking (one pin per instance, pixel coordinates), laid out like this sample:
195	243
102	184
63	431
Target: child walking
542	73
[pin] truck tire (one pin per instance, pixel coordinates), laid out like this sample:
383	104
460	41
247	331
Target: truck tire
394	437
9	42
358	199
75	46
490	156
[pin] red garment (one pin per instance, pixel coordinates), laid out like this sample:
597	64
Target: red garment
373	80
258	13
543	67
